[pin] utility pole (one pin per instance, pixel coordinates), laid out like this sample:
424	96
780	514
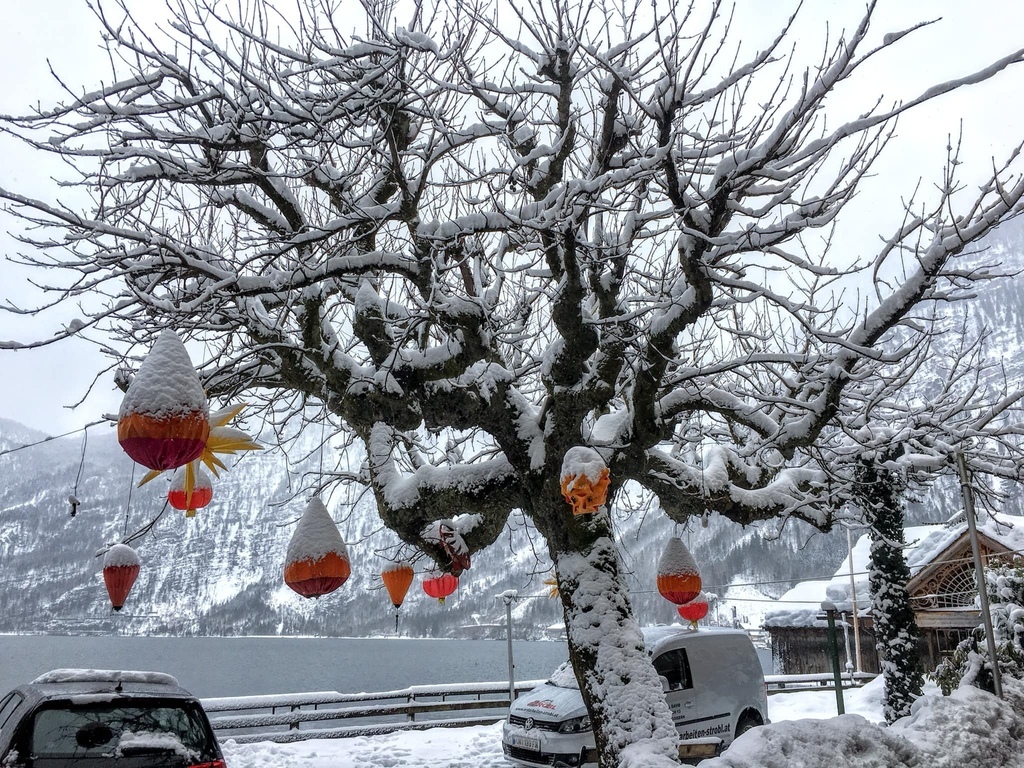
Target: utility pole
853	598
979	571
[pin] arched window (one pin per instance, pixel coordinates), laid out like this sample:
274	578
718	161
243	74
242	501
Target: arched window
958	589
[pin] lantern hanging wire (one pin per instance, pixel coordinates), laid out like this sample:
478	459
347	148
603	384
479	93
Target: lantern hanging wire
73	498
128	506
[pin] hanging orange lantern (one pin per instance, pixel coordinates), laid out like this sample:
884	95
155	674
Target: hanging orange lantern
695	610
163	422
317	560
190	489
121	567
440	586
397	578
678	577
584	479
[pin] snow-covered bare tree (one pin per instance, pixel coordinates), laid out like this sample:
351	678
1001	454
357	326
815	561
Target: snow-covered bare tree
503	230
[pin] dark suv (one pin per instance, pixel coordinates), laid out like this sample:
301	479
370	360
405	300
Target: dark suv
105	719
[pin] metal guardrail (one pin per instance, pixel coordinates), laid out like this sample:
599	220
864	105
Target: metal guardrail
280	717
291	717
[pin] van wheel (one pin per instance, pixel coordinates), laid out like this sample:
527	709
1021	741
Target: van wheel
747	721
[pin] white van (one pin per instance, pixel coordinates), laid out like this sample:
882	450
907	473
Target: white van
712	679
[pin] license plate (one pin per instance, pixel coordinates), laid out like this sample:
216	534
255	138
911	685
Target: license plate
524	742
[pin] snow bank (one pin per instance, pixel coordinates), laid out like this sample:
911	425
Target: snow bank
970	729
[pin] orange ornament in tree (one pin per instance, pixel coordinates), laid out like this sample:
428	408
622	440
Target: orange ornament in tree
695	610
678	577
164	418
317	561
121	567
397	578
585	479
190	490
440	585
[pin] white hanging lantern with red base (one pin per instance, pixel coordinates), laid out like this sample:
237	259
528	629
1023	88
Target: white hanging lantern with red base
678	577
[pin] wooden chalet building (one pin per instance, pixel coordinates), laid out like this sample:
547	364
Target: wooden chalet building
942	591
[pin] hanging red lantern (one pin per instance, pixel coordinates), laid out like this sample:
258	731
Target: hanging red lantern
695	610
164	418
397	578
585	480
190	489
317	560
440	586
678	577
121	567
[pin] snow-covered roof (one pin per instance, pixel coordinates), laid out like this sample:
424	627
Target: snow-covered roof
800	605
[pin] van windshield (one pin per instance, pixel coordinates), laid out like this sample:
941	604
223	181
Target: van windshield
564	677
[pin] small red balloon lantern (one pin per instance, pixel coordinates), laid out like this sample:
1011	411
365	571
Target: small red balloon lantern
397	578
584	479
121	567
678	577
695	610
181	496
164	418
440	586
317	561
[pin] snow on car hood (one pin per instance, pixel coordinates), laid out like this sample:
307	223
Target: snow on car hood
548	702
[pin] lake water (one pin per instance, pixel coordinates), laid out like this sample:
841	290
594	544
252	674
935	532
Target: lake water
243	666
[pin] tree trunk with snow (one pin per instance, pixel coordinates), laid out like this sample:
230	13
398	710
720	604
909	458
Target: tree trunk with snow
880	495
486	234
607	652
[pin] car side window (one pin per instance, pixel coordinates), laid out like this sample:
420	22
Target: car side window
674	666
7	706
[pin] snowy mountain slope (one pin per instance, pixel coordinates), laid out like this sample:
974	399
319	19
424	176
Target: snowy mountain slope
221	572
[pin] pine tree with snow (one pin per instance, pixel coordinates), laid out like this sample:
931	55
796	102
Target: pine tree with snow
879	494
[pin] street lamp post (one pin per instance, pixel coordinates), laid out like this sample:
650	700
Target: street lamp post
509	596
833	649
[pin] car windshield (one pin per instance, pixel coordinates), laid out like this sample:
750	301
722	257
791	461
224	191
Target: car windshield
144	733
564	677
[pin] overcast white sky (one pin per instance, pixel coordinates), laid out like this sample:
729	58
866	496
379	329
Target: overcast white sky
36	386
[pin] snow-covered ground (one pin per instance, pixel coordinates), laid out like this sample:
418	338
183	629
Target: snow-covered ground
969	729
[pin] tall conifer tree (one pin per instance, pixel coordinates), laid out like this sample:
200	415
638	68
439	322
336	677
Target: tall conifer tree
879	492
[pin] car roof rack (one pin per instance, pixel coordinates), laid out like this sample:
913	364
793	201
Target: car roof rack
118	676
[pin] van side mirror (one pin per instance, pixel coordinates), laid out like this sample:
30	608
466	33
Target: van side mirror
665	685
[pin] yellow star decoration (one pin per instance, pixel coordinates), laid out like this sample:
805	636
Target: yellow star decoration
223	439
553	583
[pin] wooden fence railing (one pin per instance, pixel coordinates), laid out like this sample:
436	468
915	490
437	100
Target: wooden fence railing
297	716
